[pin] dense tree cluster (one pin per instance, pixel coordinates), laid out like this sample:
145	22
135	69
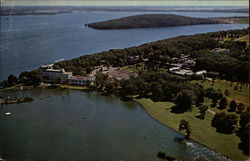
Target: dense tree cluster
229	33
232	65
157	54
32	78
184	100
155	85
223	103
150	20
224	123
229	67
244	132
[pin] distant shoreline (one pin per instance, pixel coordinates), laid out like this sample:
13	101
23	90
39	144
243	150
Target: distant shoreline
52	10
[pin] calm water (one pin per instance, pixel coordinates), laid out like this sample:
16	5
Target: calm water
67	124
31	40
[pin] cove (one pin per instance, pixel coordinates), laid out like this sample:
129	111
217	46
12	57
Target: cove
72	124
32	40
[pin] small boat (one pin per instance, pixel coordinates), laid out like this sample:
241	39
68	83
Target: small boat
7	113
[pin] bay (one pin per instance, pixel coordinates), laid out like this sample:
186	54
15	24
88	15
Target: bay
71	124
32	40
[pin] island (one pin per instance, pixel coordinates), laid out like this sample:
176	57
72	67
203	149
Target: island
150	21
197	85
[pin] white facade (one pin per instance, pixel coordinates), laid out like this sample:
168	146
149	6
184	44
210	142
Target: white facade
202	72
80	80
57	73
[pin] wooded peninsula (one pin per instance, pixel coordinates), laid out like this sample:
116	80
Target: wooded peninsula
197	84
150	21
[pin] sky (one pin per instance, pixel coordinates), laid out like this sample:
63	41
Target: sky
129	2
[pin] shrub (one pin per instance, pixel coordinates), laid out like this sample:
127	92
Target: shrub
161	155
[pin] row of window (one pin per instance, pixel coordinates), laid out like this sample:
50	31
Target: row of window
78	81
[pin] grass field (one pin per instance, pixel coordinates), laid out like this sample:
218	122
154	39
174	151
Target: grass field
242	20
244	38
240	96
202	131
233	20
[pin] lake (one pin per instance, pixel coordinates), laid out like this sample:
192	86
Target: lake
71	124
31	40
67	124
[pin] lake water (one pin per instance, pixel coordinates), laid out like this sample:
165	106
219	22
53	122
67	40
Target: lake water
70	124
66	124
31	40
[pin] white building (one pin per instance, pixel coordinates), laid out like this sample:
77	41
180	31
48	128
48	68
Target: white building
80	80
202	72
220	50
57	73
173	69
46	66
188	63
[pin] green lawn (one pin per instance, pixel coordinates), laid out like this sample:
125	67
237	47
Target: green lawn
201	129
244	38
244	20
239	96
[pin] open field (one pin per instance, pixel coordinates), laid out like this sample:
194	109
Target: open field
240	96
244	38
234	20
202	130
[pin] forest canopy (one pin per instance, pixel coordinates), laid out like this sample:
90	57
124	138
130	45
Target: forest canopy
150	21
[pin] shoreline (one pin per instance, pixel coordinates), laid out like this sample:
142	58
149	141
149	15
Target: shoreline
226	157
85	88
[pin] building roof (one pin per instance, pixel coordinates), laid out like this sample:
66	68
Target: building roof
54	70
201	72
46	65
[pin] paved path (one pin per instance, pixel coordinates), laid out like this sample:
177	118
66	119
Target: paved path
210	111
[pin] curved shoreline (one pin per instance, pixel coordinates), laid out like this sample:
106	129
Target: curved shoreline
154	118
226	157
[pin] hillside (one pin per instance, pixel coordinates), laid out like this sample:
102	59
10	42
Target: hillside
149	21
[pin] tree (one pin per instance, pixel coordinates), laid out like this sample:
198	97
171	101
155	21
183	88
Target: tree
128	87
244	137
213	94
4	84
203	109
232	106
244	132
184	100
157	92
226	93
30	78
56	80
12	80
184	125
244	118
224	123
241	108
223	103
100	80
214	103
